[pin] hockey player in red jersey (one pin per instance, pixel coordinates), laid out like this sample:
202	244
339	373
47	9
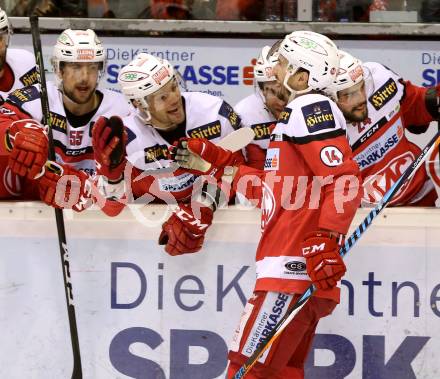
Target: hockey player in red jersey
302	225
75	104
380	108
17	69
163	115
261	110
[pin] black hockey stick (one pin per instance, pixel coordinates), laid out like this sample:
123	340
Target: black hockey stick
64	254
350	242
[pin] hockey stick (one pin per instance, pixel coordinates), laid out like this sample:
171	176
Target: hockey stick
64	254
355	236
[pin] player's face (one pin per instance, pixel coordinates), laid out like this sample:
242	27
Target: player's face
296	81
3	47
276	97
353	102
80	80
166	106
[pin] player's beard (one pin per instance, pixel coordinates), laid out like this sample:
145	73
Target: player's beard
356	116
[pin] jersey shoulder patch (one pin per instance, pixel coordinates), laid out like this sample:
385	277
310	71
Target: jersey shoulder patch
228	112
318	116
24	95
30	77
209	131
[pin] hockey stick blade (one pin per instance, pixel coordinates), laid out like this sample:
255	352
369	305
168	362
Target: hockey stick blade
64	255
350	242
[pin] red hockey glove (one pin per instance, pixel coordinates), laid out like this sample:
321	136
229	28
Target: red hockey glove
183	232
109	139
324	264
206	159
27	141
65	187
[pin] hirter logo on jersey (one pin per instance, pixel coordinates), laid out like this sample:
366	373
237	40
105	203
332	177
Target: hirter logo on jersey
331	156
262	131
384	94
375	186
156	152
285	116
228	112
23	95
318	116
208	131
30	77
58	122
272	161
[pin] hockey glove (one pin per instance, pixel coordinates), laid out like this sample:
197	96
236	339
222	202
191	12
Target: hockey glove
109	139
324	264
183	232
28	145
65	187
202	157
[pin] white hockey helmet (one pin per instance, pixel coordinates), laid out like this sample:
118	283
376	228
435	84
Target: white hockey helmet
263	69
5	27
313	52
77	46
350	73
142	77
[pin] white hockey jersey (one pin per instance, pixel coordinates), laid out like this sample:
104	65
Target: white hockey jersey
379	143
254	114
207	117
73	145
22	63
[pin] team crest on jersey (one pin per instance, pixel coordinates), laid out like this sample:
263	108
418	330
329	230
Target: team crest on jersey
228	112
285	116
272	161
384	94
58	122
318	116
30	77
23	95
262	131
268	205
331	156
208	131
155	153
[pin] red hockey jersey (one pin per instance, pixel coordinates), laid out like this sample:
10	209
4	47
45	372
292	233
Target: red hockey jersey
310	182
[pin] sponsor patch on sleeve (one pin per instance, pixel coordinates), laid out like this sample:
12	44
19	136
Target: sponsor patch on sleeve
272	161
228	112
384	94
285	116
318	116
30	77
23	95
331	156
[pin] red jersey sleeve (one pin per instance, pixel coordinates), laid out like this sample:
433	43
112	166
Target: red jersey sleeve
413	106
255	156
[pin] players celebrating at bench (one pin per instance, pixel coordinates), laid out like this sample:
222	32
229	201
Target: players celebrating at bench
163	115
75	104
